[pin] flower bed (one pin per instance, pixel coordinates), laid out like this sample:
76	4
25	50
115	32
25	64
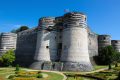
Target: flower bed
26	75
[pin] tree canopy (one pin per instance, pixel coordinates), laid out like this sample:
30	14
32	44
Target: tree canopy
8	58
22	28
107	55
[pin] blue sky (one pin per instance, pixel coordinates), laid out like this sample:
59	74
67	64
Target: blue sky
103	15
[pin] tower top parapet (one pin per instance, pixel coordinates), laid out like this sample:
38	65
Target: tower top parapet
46	22
75	19
115	42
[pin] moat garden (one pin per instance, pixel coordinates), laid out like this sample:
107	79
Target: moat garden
100	73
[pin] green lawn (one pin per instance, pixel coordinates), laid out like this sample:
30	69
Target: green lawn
53	76
5	72
96	67
111	74
105	74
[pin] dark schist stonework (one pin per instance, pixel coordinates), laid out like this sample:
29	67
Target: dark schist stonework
57	66
45	65
26	46
76	66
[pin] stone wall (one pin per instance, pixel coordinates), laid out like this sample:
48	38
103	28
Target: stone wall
93	46
26	46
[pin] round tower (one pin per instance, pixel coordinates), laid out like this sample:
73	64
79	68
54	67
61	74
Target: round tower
46	23
116	45
104	40
75	43
46	49
7	42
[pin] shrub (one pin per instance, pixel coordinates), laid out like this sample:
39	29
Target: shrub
109	66
39	76
11	76
17	68
16	72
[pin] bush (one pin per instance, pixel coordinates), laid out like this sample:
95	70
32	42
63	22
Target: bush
11	76
109	66
17	68
39	76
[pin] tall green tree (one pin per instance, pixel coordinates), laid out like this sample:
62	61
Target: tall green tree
107	55
8	58
116	58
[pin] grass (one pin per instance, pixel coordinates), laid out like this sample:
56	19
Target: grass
105	74
53	76
5	72
94	75
96	67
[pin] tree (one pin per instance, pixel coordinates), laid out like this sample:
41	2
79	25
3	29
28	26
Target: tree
22	28
116	58
8	58
107	55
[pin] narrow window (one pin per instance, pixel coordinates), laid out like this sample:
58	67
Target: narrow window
47	47
115	41
104	38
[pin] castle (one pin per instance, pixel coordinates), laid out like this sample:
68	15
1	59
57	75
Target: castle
59	43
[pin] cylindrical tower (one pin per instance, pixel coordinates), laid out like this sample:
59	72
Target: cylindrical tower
7	42
75	43
116	45
46	23
104	40
46	49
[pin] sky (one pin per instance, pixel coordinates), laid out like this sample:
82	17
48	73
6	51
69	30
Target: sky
103	16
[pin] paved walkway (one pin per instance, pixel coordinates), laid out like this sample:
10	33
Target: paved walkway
64	77
96	71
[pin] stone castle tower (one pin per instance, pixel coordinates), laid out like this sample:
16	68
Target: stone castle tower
7	42
75	42
61	43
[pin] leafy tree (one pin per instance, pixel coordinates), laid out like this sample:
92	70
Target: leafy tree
107	55
116	58
8	58
22	28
